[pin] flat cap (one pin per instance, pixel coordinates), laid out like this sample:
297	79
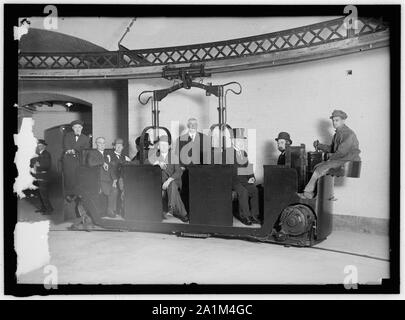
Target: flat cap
338	113
285	136
77	122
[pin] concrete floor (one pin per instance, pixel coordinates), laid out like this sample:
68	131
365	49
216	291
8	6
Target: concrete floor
149	258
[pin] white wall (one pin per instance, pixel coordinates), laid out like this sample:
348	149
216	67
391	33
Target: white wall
299	99
108	98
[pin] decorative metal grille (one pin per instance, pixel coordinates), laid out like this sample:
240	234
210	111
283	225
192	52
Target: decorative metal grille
302	37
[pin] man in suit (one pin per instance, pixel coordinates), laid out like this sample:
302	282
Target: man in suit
171	177
108	180
344	147
73	144
244	180
117	160
40	168
146	146
283	140
193	147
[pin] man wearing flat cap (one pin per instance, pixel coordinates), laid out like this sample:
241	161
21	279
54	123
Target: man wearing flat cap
283	140
171	177
40	168
344	147
73	144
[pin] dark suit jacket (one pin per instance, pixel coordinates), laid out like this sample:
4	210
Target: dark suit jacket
281	159
201	145
45	162
173	169
96	159
69	142
244	169
116	163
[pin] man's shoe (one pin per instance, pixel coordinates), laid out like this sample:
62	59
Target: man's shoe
182	218
245	221
46	213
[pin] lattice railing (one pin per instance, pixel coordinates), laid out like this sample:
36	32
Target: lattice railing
302	37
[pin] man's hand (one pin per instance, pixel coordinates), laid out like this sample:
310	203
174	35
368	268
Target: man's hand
114	185
167	183
252	180
105	166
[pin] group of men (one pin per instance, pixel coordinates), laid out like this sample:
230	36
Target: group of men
191	148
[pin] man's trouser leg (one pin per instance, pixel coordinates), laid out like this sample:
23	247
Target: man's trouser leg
174	199
112	200
243	200
43	195
320	170
254	200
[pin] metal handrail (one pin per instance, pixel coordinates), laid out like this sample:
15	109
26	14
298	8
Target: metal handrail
290	39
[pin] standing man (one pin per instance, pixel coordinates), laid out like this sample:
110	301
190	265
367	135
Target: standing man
344	147
41	166
117	160
243	183
73	144
193	146
283	140
108	182
171	177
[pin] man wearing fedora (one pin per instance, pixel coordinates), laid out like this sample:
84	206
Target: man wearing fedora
243	182
344	147
283	140
73	144
40	167
171	177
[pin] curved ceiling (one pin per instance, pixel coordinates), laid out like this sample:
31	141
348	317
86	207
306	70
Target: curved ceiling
28	98
38	40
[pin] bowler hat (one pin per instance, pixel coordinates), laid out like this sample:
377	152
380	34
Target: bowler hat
77	122
338	113
118	141
285	136
42	141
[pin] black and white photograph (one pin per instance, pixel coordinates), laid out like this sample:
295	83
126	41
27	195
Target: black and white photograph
201	149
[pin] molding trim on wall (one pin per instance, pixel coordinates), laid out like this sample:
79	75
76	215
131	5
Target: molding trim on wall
361	224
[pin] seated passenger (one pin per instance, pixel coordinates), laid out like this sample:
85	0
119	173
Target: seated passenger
244	182
171	177
344	147
283	140
117	159
192	147
146	146
108	182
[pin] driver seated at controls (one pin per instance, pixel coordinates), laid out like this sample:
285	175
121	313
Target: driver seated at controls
171	177
344	148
